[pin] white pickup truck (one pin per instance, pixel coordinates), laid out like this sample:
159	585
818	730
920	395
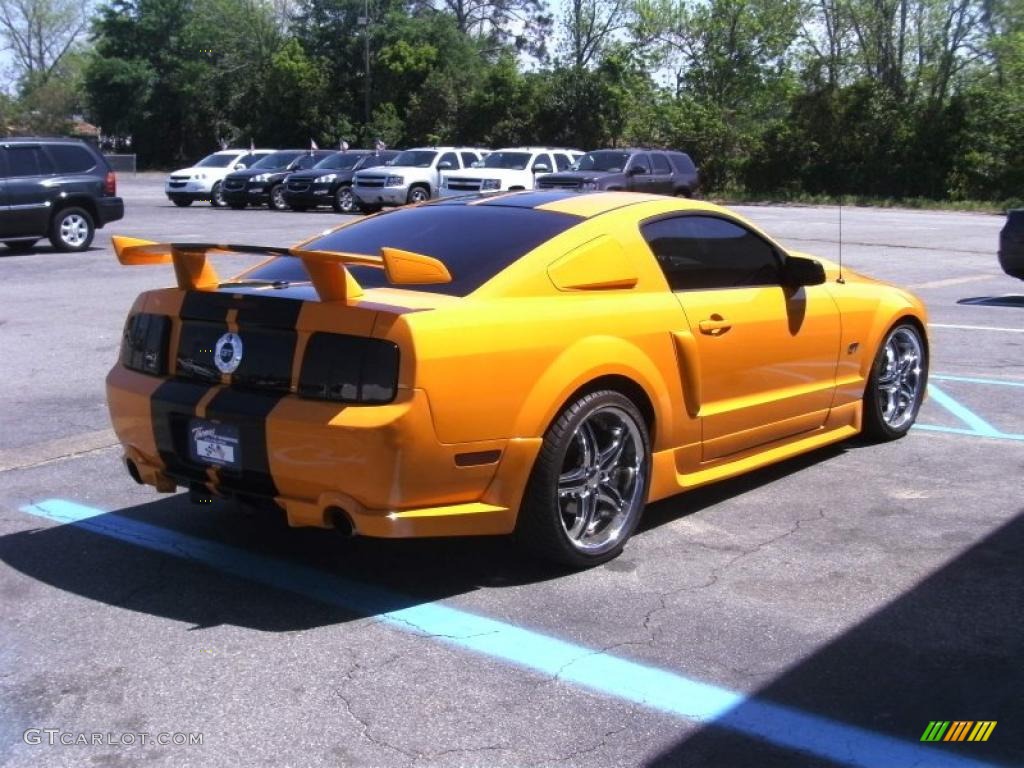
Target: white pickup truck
412	177
203	180
508	169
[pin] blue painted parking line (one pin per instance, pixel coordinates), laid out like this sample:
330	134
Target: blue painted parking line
660	690
976	425
975	380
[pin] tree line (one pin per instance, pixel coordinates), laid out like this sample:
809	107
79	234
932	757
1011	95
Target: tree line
881	98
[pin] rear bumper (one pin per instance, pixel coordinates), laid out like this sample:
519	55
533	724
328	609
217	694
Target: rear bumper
381	466
109	209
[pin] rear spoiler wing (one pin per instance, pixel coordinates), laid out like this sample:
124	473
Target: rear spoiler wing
327	269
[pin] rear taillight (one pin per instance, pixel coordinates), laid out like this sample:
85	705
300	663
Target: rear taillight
110	184
144	344
349	369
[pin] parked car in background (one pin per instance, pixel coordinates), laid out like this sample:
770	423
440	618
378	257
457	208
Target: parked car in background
329	182
510	169
57	188
1011	244
205	179
413	177
663	172
263	183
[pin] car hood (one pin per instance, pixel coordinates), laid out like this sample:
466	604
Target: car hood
397	170
311	174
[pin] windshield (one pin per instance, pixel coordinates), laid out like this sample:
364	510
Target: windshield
340	161
215	161
276	159
604	160
416	158
475	242
510	161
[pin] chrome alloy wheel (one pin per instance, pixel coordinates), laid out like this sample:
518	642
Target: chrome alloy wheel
346	200
601	485
277	198
74	230
901	380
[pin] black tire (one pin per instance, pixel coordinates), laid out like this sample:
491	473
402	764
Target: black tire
237	206
344	200
72	229
276	200
417	194
542	526
877	425
368	208
217	196
181	202
21	246
683	193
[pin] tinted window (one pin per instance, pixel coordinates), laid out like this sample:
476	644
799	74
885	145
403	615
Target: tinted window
305	162
249	160
216	161
660	163
27	161
603	160
543	159
682	162
706	252
277	159
416	158
449	157
512	161
641	161
340	161
468	158
369	161
68	158
474	242
562	161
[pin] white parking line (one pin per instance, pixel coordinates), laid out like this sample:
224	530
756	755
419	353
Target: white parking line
976	328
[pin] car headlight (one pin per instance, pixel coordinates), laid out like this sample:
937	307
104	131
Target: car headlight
261	177
589	185
394	181
326	177
490	184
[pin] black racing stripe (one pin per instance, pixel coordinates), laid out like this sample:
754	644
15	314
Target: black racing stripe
172	406
248	411
213	307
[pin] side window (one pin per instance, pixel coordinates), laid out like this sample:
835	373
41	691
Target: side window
308	161
27	161
640	161
660	163
450	157
69	158
246	160
562	161
468	158
543	159
705	252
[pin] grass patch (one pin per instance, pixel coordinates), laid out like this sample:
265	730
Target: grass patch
740	197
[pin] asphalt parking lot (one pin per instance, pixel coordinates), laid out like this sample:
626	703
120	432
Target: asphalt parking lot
821	612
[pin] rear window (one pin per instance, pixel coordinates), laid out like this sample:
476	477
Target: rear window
69	158
474	242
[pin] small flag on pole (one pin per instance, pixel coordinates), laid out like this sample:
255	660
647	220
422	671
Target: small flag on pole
380	145
343	145
252	145
312	145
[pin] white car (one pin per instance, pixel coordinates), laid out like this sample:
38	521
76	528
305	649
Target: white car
203	180
412	177
509	169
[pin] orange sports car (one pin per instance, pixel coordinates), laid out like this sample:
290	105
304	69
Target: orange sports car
540	364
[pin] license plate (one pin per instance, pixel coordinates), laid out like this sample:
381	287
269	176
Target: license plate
214	444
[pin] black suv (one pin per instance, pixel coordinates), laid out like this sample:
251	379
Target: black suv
663	172
329	182
57	188
263	181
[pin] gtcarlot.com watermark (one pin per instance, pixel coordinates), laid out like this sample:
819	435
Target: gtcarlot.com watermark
55	736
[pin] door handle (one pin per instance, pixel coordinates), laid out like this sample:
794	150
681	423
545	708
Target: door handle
715	326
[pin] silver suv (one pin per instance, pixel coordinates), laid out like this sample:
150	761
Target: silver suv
412	177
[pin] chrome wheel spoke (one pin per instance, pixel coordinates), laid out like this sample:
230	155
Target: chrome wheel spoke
899	383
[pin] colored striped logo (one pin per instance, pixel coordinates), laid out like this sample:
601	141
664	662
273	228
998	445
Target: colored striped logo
958	730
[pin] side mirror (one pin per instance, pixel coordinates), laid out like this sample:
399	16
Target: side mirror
477	164
238	167
445	165
798	271
636	170
541	168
